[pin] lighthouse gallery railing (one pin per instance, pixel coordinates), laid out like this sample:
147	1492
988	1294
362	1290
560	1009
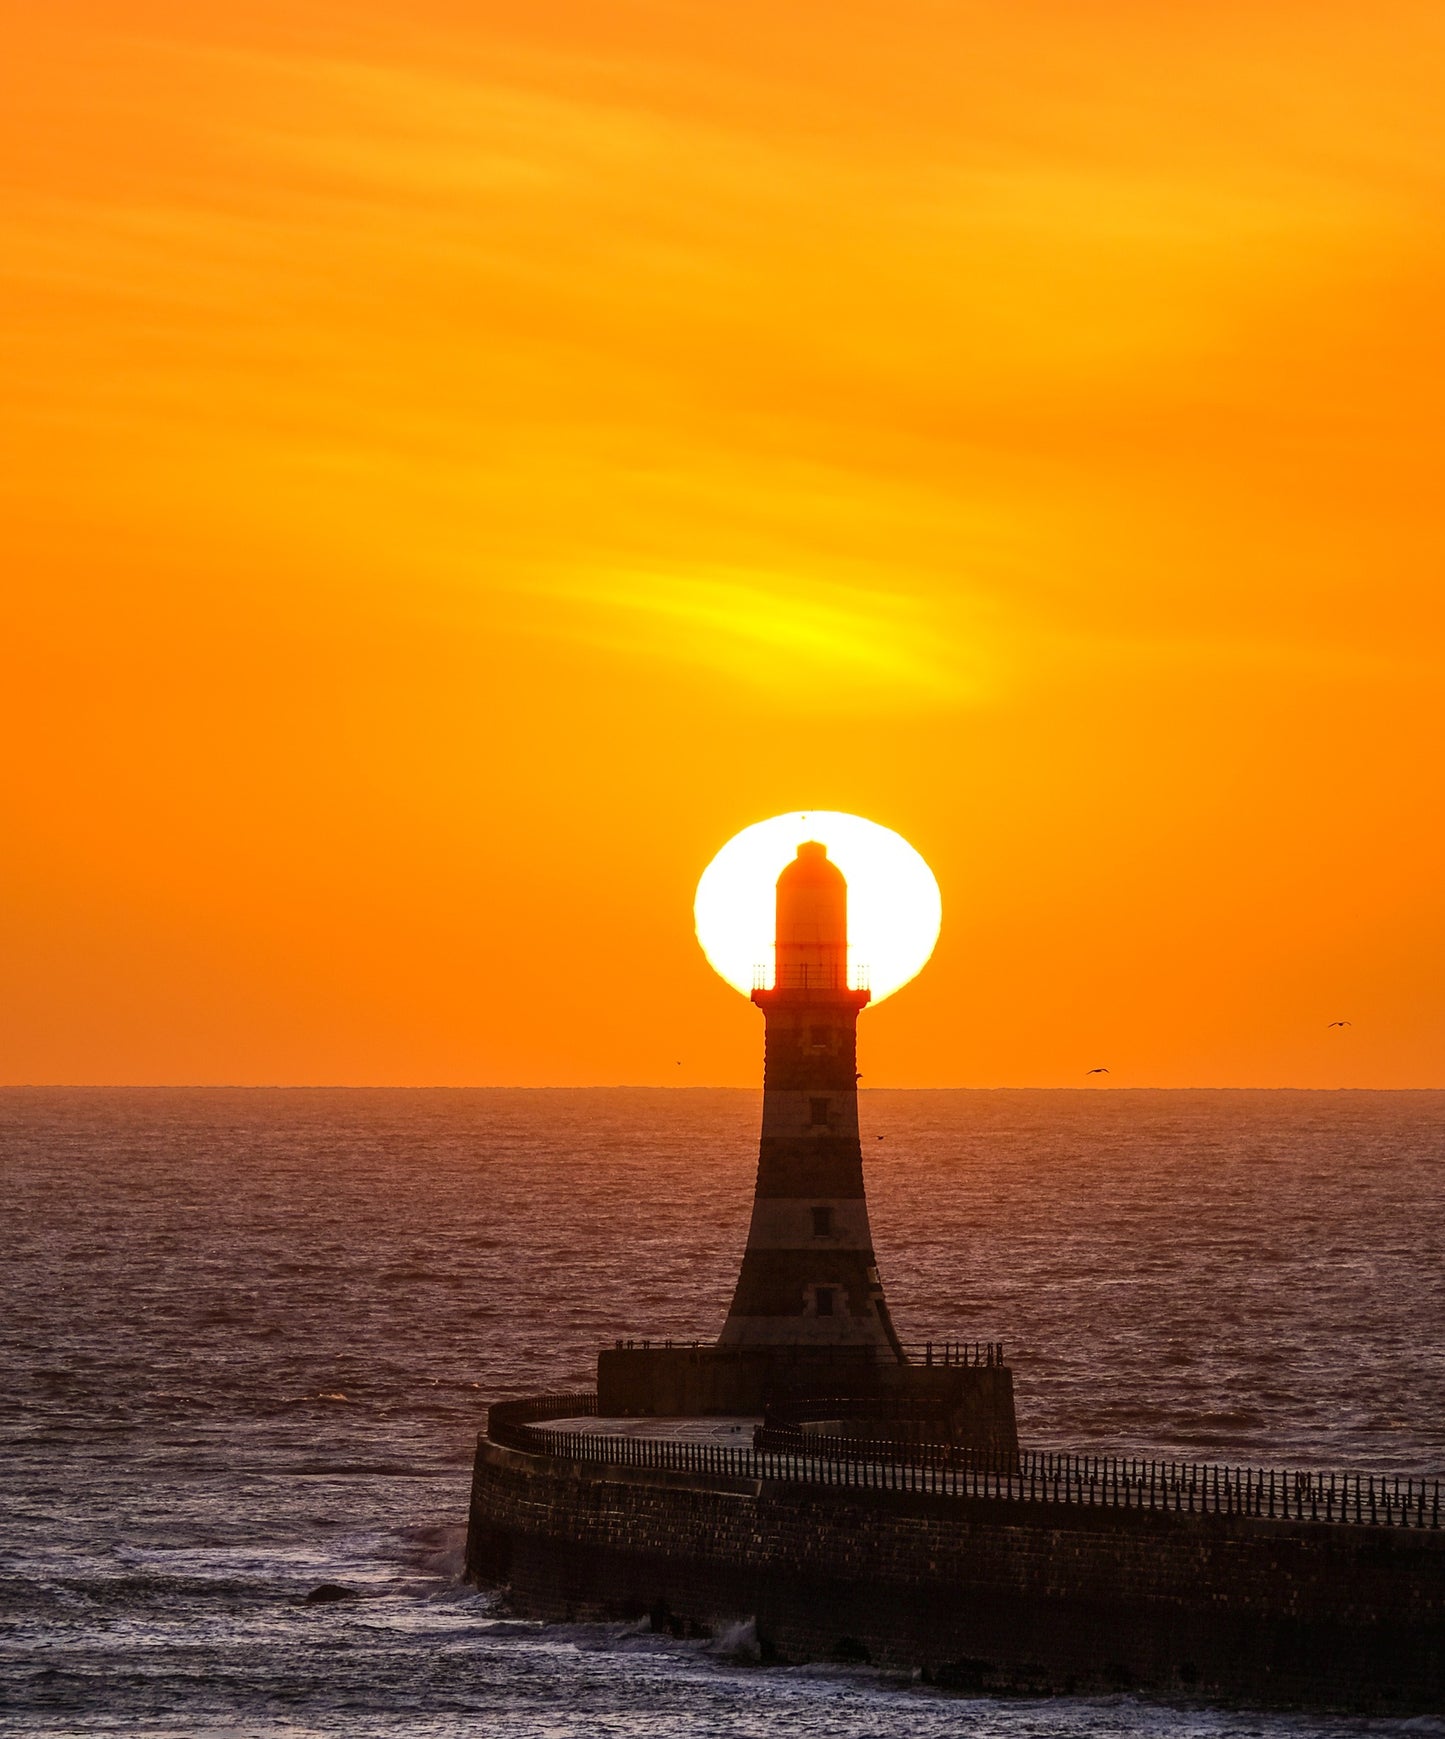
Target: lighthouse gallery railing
923	1352
1035	1476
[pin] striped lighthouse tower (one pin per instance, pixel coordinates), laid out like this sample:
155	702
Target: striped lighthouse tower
809	1277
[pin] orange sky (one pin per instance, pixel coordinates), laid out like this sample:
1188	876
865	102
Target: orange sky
461	462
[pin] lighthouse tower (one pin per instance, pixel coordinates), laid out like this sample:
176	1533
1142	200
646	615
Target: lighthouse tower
809	1276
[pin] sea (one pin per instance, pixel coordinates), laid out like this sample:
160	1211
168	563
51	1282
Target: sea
247	1337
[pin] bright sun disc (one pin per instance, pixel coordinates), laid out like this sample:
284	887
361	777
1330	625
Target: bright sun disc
894	907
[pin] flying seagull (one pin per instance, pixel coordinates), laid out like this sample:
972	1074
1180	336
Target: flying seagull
1340	1023
1096	1071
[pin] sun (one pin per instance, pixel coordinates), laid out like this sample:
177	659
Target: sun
894	906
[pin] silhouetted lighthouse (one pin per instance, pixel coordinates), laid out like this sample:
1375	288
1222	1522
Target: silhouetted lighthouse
809	1276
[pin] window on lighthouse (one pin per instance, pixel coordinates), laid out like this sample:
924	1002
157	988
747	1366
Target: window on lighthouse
824	1300
822	1222
819	1114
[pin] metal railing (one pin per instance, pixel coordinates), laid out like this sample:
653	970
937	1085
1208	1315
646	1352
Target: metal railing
923	1352
792	1428
1040	1476
954	1352
854	976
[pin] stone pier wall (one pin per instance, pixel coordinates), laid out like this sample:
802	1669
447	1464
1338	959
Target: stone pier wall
980	1593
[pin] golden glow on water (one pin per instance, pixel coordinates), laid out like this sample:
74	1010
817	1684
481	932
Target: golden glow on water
894	906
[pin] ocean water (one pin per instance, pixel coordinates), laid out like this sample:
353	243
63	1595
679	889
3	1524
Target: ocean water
246	1338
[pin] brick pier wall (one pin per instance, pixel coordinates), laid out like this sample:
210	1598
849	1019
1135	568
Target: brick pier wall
980	1593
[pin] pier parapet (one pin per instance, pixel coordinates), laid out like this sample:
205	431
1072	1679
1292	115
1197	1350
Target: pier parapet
1051	1573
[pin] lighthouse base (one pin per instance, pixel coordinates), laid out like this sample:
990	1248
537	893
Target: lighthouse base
969	1406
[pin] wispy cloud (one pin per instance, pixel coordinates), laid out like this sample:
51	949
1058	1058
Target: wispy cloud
830	648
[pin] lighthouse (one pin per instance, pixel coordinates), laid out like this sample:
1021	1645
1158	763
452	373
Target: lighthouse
809	1276
809	1334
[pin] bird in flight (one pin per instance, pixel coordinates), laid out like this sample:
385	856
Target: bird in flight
1340	1023
1096	1071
